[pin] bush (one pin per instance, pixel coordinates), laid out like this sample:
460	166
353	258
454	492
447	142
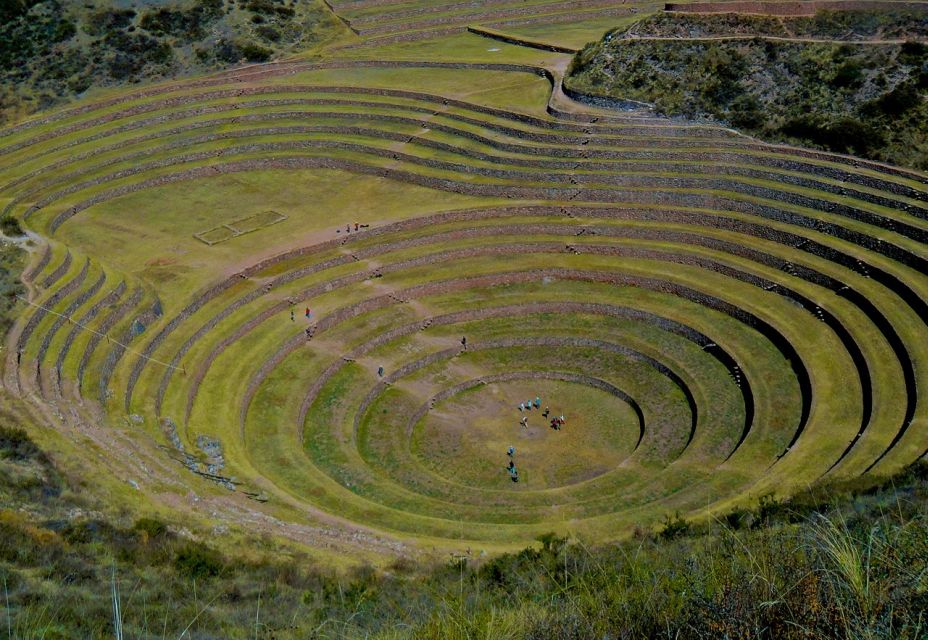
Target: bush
746	112
198	561
105	21
11	227
89	531
675	526
23	543
852	135
15	444
269	7
153	528
896	102
268	33
913	53
10	9
190	24
849	74
255	52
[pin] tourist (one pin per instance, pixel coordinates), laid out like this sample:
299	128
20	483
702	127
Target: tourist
511	451
537	402
521	407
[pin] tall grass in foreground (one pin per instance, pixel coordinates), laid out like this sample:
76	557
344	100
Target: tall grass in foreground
824	576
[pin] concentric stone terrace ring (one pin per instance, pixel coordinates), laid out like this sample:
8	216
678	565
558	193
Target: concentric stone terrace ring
715	318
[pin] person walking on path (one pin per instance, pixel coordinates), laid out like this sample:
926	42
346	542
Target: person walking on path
547	411
511	451
524	422
464	342
521	407
537	402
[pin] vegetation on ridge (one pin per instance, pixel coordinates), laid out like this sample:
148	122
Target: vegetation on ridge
865	99
54	50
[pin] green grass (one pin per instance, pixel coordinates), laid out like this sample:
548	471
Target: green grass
436	484
648	282
578	33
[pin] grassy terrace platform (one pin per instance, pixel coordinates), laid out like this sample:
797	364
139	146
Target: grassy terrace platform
717	319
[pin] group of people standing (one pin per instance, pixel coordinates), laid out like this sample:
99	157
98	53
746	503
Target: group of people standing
357	227
556	423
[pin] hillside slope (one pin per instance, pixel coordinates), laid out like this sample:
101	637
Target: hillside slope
793	79
52	51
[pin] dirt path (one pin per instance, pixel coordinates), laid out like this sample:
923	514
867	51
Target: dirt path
737	38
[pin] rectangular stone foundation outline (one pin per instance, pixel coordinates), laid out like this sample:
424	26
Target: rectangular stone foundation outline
239	227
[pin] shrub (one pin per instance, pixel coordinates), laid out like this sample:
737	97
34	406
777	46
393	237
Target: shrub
913	53
23	542
922	80
88	531
896	102
190	24
746	112
268	33
674	526
16	445
153	528
64	30
852	135
10	9
848	75
805	126
102	22
11	227
198	561
269	7
255	52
